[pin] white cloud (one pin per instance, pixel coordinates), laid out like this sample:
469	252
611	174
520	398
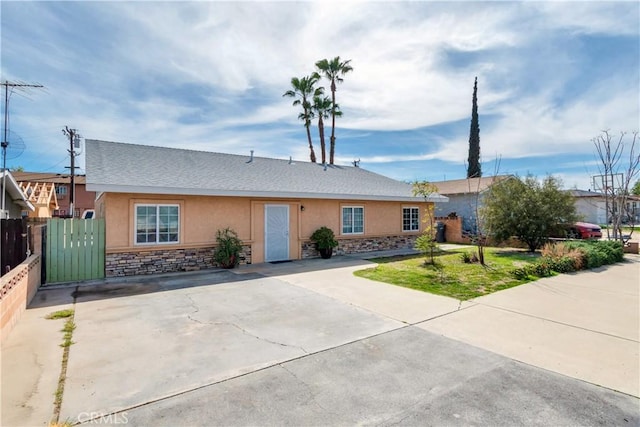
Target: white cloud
120	77
605	17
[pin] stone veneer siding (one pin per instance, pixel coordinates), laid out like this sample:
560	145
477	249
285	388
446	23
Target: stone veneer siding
363	244
165	260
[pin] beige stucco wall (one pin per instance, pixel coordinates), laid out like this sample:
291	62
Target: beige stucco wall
201	216
380	218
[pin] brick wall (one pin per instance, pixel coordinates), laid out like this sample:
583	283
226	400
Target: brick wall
18	289
453	234
359	245
164	261
453	230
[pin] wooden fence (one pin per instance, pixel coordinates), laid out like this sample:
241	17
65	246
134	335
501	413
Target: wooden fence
13	243
74	250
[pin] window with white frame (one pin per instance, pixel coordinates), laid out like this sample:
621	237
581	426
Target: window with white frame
352	220
410	219
157	224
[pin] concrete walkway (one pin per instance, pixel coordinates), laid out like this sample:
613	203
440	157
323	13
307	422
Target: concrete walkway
310	343
334	278
30	362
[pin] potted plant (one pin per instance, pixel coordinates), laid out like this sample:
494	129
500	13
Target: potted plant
229	246
325	241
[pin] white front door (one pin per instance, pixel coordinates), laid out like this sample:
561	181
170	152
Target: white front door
276	233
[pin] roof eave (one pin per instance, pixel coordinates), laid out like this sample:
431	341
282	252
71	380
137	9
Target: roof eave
109	188
25	204
16	193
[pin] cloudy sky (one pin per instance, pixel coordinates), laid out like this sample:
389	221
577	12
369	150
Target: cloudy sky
210	76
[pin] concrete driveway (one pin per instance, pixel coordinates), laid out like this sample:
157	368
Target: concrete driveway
308	343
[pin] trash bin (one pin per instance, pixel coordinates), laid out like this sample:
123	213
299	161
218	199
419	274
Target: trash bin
440	226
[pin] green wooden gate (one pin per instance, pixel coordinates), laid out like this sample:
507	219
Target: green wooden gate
74	249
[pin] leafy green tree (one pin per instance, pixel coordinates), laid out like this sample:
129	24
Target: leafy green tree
322	109
333	70
427	242
474	169
304	89
527	209
636	189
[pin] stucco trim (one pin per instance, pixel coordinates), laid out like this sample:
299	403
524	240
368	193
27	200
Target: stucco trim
267	194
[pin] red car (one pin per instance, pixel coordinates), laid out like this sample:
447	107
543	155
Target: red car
584	230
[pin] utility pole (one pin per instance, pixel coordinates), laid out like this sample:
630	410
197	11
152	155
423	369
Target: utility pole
74	141
5	143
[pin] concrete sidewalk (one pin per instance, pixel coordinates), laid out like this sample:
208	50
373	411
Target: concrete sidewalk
584	325
402	304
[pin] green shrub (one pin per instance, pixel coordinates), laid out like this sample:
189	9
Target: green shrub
228	248
596	258
469	258
614	248
523	273
324	238
564	257
567	257
543	268
599	252
563	264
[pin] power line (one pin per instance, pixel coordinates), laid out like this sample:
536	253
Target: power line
51	167
20	87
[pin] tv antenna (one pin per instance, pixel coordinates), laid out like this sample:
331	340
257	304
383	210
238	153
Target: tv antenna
12	147
15	146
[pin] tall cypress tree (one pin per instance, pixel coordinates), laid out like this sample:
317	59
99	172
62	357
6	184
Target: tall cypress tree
474	170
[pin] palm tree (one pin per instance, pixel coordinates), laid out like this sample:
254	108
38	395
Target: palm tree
304	90
333	70
322	107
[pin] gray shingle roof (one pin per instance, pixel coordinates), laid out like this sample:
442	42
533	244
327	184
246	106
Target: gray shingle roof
584	193
118	167
468	185
47	177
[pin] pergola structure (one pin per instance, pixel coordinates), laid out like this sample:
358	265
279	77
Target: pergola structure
43	197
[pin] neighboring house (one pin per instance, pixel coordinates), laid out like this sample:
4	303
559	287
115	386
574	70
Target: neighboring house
162	206
43	197
84	200
633	209
464	197
590	206
16	203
